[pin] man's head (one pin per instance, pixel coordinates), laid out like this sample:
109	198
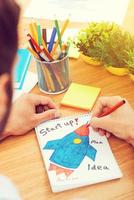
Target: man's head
9	16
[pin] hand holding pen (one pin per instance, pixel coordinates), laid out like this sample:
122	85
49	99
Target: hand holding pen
119	122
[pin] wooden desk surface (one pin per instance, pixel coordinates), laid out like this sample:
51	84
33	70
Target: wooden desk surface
20	157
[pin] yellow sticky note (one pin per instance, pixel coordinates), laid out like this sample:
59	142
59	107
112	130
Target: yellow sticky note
81	96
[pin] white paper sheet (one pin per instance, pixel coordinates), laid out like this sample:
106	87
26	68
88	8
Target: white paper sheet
62	145
79	10
29	83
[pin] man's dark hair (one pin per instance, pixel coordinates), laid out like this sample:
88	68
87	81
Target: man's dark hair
9	16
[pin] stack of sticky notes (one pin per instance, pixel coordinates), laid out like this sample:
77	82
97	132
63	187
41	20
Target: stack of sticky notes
80	96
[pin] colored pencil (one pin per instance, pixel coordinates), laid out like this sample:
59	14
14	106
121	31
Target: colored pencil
56	74
43	55
43	43
31	44
51	43
39	34
32	30
62	32
34	43
44	35
64	26
58	32
33	52
58	77
36	47
50	79
50	58
63	52
35	31
46	78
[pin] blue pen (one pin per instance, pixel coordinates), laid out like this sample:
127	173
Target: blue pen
51	43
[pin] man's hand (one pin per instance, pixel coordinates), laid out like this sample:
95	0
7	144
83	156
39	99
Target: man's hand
119	123
23	116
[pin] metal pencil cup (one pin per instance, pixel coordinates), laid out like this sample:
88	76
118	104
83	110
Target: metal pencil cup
53	77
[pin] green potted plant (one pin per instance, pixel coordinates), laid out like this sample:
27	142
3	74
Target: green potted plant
130	63
115	49
105	43
90	41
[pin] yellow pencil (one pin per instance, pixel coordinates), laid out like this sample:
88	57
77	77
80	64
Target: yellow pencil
32	30
58	78
64	27
61	33
47	78
35	30
33	52
50	80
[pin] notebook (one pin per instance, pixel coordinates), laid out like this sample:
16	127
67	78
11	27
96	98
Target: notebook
80	96
21	67
74	155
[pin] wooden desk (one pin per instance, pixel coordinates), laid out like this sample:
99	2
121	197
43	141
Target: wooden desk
21	161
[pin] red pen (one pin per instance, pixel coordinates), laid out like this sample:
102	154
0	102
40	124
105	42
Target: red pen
112	109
